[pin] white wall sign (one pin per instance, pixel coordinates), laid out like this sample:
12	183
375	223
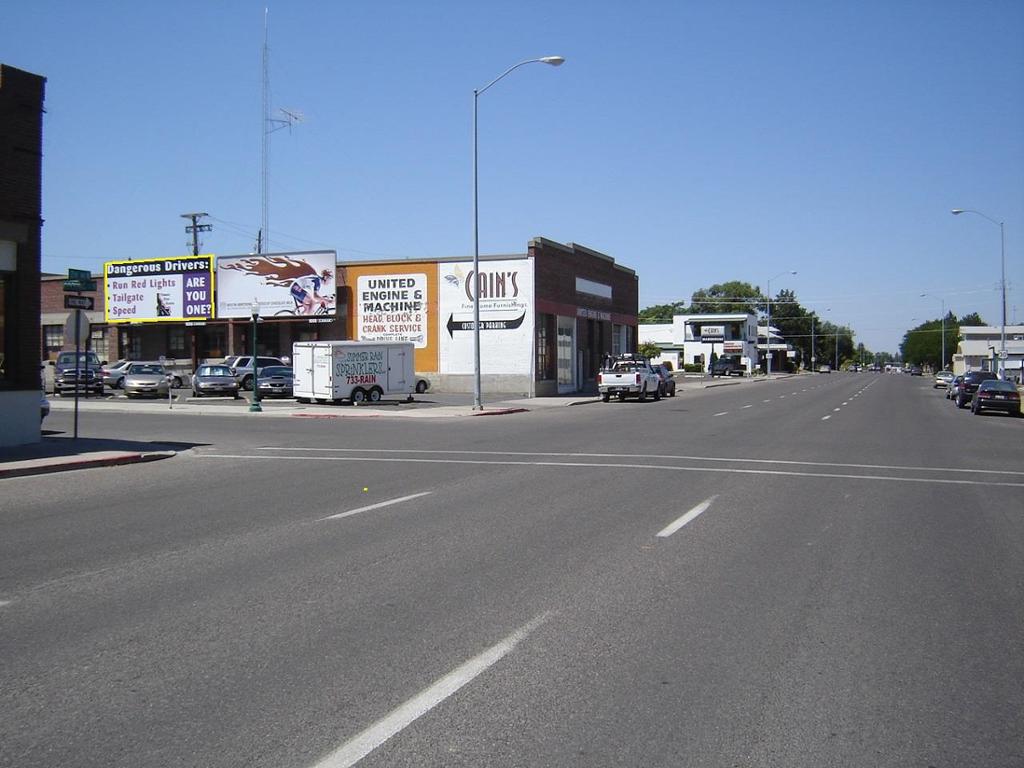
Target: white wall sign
283	284
712	332
507	311
392	308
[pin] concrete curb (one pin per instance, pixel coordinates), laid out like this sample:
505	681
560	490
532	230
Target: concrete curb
50	464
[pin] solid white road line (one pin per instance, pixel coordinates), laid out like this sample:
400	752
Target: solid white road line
358	747
668	530
623	465
739	460
376	506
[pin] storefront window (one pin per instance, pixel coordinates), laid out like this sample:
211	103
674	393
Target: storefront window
545	347
53	340
98	342
176	342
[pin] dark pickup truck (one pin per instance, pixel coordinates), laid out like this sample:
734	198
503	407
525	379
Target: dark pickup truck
727	366
77	371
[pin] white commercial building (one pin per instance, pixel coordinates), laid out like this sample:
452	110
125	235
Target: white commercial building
979	350
693	339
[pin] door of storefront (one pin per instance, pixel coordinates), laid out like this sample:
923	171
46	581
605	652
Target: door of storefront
566	354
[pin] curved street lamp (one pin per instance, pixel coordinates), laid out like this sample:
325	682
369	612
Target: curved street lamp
554	61
768	330
1002	281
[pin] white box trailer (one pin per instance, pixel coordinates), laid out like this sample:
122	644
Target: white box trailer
352	370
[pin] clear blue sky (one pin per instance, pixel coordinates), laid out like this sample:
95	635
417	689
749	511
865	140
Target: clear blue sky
694	142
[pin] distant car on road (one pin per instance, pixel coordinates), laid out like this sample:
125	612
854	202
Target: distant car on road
824	369
942	379
972	380
668	383
916	371
996	395
146	379
275	381
214	380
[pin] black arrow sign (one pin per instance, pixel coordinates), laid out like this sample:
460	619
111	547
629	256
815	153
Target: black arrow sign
485	325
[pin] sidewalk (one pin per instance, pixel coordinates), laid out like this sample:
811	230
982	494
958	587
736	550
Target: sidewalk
60	454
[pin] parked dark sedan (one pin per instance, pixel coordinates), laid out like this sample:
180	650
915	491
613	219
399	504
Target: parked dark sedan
275	381
972	380
996	395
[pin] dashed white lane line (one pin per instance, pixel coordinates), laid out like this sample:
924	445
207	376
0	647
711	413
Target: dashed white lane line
723	413
375	506
5	602
671	528
748	406
836	409
846	403
359	746
826	418
766	401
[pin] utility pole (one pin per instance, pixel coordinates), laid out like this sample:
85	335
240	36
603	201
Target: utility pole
195	228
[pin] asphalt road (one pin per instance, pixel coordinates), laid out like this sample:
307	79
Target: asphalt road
814	571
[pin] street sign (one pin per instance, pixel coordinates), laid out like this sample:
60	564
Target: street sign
1003	354
79	274
79	302
78	286
81	327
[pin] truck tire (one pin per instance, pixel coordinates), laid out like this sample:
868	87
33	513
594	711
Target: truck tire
643	395
376	393
622	397
358	395
605	397
657	395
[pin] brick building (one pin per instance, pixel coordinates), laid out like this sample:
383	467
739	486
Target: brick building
548	317
21	153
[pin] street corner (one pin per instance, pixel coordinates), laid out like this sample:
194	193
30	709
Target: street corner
43	465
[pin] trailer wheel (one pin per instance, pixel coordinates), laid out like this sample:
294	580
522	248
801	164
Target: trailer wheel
421	387
376	393
358	395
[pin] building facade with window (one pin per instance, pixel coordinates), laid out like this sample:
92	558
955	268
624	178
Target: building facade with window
696	339
547	316
21	152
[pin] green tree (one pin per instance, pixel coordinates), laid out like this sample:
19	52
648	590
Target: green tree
648	349
662	313
922	344
726	298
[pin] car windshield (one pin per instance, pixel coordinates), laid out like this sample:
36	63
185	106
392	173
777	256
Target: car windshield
146	368
214	370
69	358
275	370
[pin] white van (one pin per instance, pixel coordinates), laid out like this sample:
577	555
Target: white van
331	371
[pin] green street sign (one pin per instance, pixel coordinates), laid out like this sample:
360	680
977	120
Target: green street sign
79	274
77	286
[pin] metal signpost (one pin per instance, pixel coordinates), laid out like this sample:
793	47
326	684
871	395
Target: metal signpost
79	280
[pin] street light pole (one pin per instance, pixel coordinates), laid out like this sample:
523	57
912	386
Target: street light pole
942	365
1002	282
768	330
554	61
255	407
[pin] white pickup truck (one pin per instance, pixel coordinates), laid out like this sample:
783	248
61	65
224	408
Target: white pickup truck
628	376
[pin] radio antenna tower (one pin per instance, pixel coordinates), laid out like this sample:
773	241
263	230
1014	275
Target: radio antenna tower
270	125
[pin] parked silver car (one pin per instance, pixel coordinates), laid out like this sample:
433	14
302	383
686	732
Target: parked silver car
113	373
275	381
214	380
146	379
